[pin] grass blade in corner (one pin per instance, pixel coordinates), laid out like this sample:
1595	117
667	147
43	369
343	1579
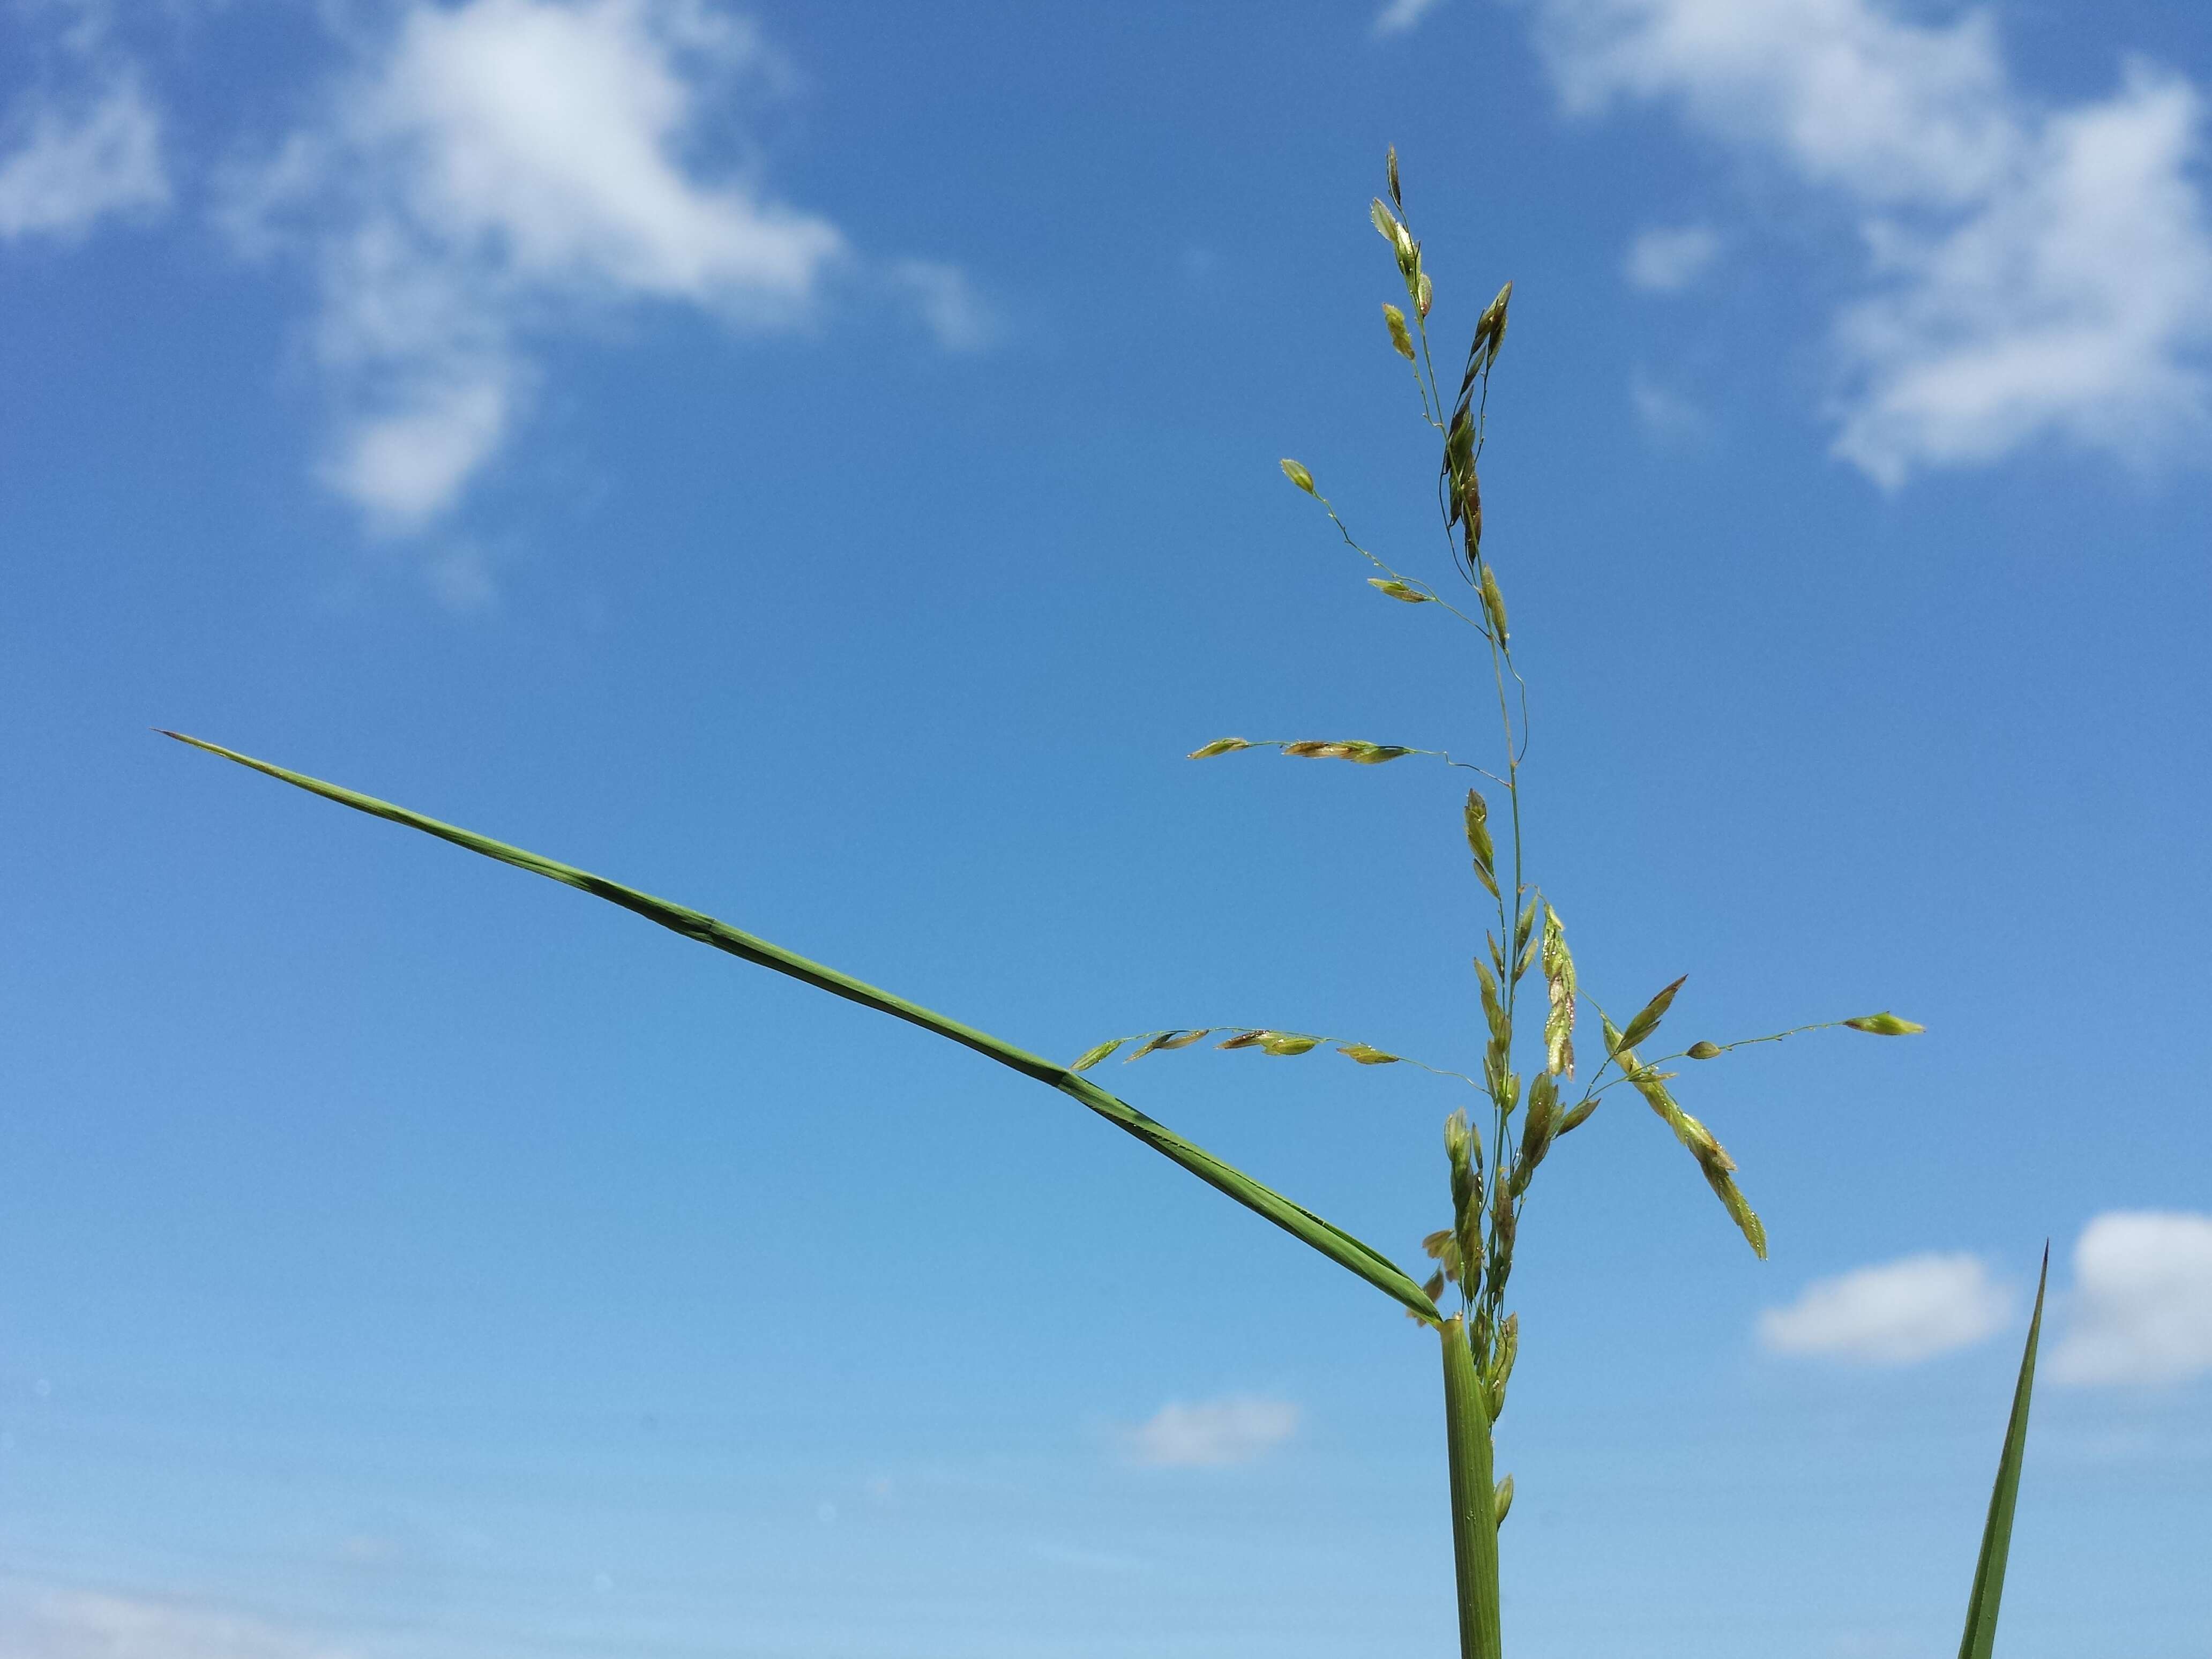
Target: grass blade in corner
1996	1532
1296	1220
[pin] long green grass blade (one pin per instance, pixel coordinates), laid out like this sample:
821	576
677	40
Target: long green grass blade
1996	1532
1331	1241
1474	1497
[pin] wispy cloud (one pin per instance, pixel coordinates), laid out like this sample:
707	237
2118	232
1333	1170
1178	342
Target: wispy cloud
37	1624
497	169
1667	259
941	295
1402	15
2141	1310
1894	1313
1064	1555
1213	1433
1665	413
2032	272
72	163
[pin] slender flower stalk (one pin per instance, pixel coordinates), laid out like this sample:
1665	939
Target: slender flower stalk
1493	1157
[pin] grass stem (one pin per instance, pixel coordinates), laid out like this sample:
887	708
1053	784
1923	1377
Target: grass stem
1473	1497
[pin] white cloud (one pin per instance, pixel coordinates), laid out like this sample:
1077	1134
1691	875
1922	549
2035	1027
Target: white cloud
1212	1432
1894	1313
552	133
1666	261
76	1625
75	166
2141	1307
498	169
2070	302
1402	15
1887	110
2033	272
446	420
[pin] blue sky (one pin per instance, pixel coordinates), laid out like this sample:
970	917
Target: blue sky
819	464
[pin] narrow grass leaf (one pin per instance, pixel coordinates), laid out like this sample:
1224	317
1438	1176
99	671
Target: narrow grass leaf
1996	1532
1333	1242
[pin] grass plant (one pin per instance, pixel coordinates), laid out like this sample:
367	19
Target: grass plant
1533	1007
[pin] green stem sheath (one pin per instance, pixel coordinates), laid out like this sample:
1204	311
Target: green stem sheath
1473	1497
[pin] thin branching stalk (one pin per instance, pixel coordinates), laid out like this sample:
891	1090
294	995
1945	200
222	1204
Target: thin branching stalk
1491	1171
